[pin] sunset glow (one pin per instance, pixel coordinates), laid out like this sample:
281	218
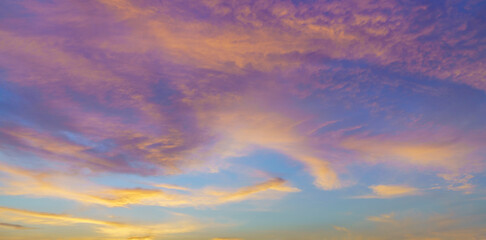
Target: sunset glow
242	119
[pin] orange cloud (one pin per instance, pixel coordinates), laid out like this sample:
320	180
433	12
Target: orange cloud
455	158
448	155
458	182
391	191
384	218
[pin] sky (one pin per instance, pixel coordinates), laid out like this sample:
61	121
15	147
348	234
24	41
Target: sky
242	119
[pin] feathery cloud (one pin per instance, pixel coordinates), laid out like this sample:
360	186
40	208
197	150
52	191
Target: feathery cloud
391	191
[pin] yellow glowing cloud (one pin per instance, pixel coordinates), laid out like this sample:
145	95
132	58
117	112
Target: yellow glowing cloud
24	182
53	219
391	191
171	186
106	228
274	184
150	231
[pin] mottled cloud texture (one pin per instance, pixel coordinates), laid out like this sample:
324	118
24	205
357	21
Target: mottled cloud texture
211	106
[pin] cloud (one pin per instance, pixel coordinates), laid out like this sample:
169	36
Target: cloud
14	226
453	158
25	182
208	65
341	229
106	228
420	226
171	186
247	128
365	32
391	191
429	152
384	218
458	182
274	184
